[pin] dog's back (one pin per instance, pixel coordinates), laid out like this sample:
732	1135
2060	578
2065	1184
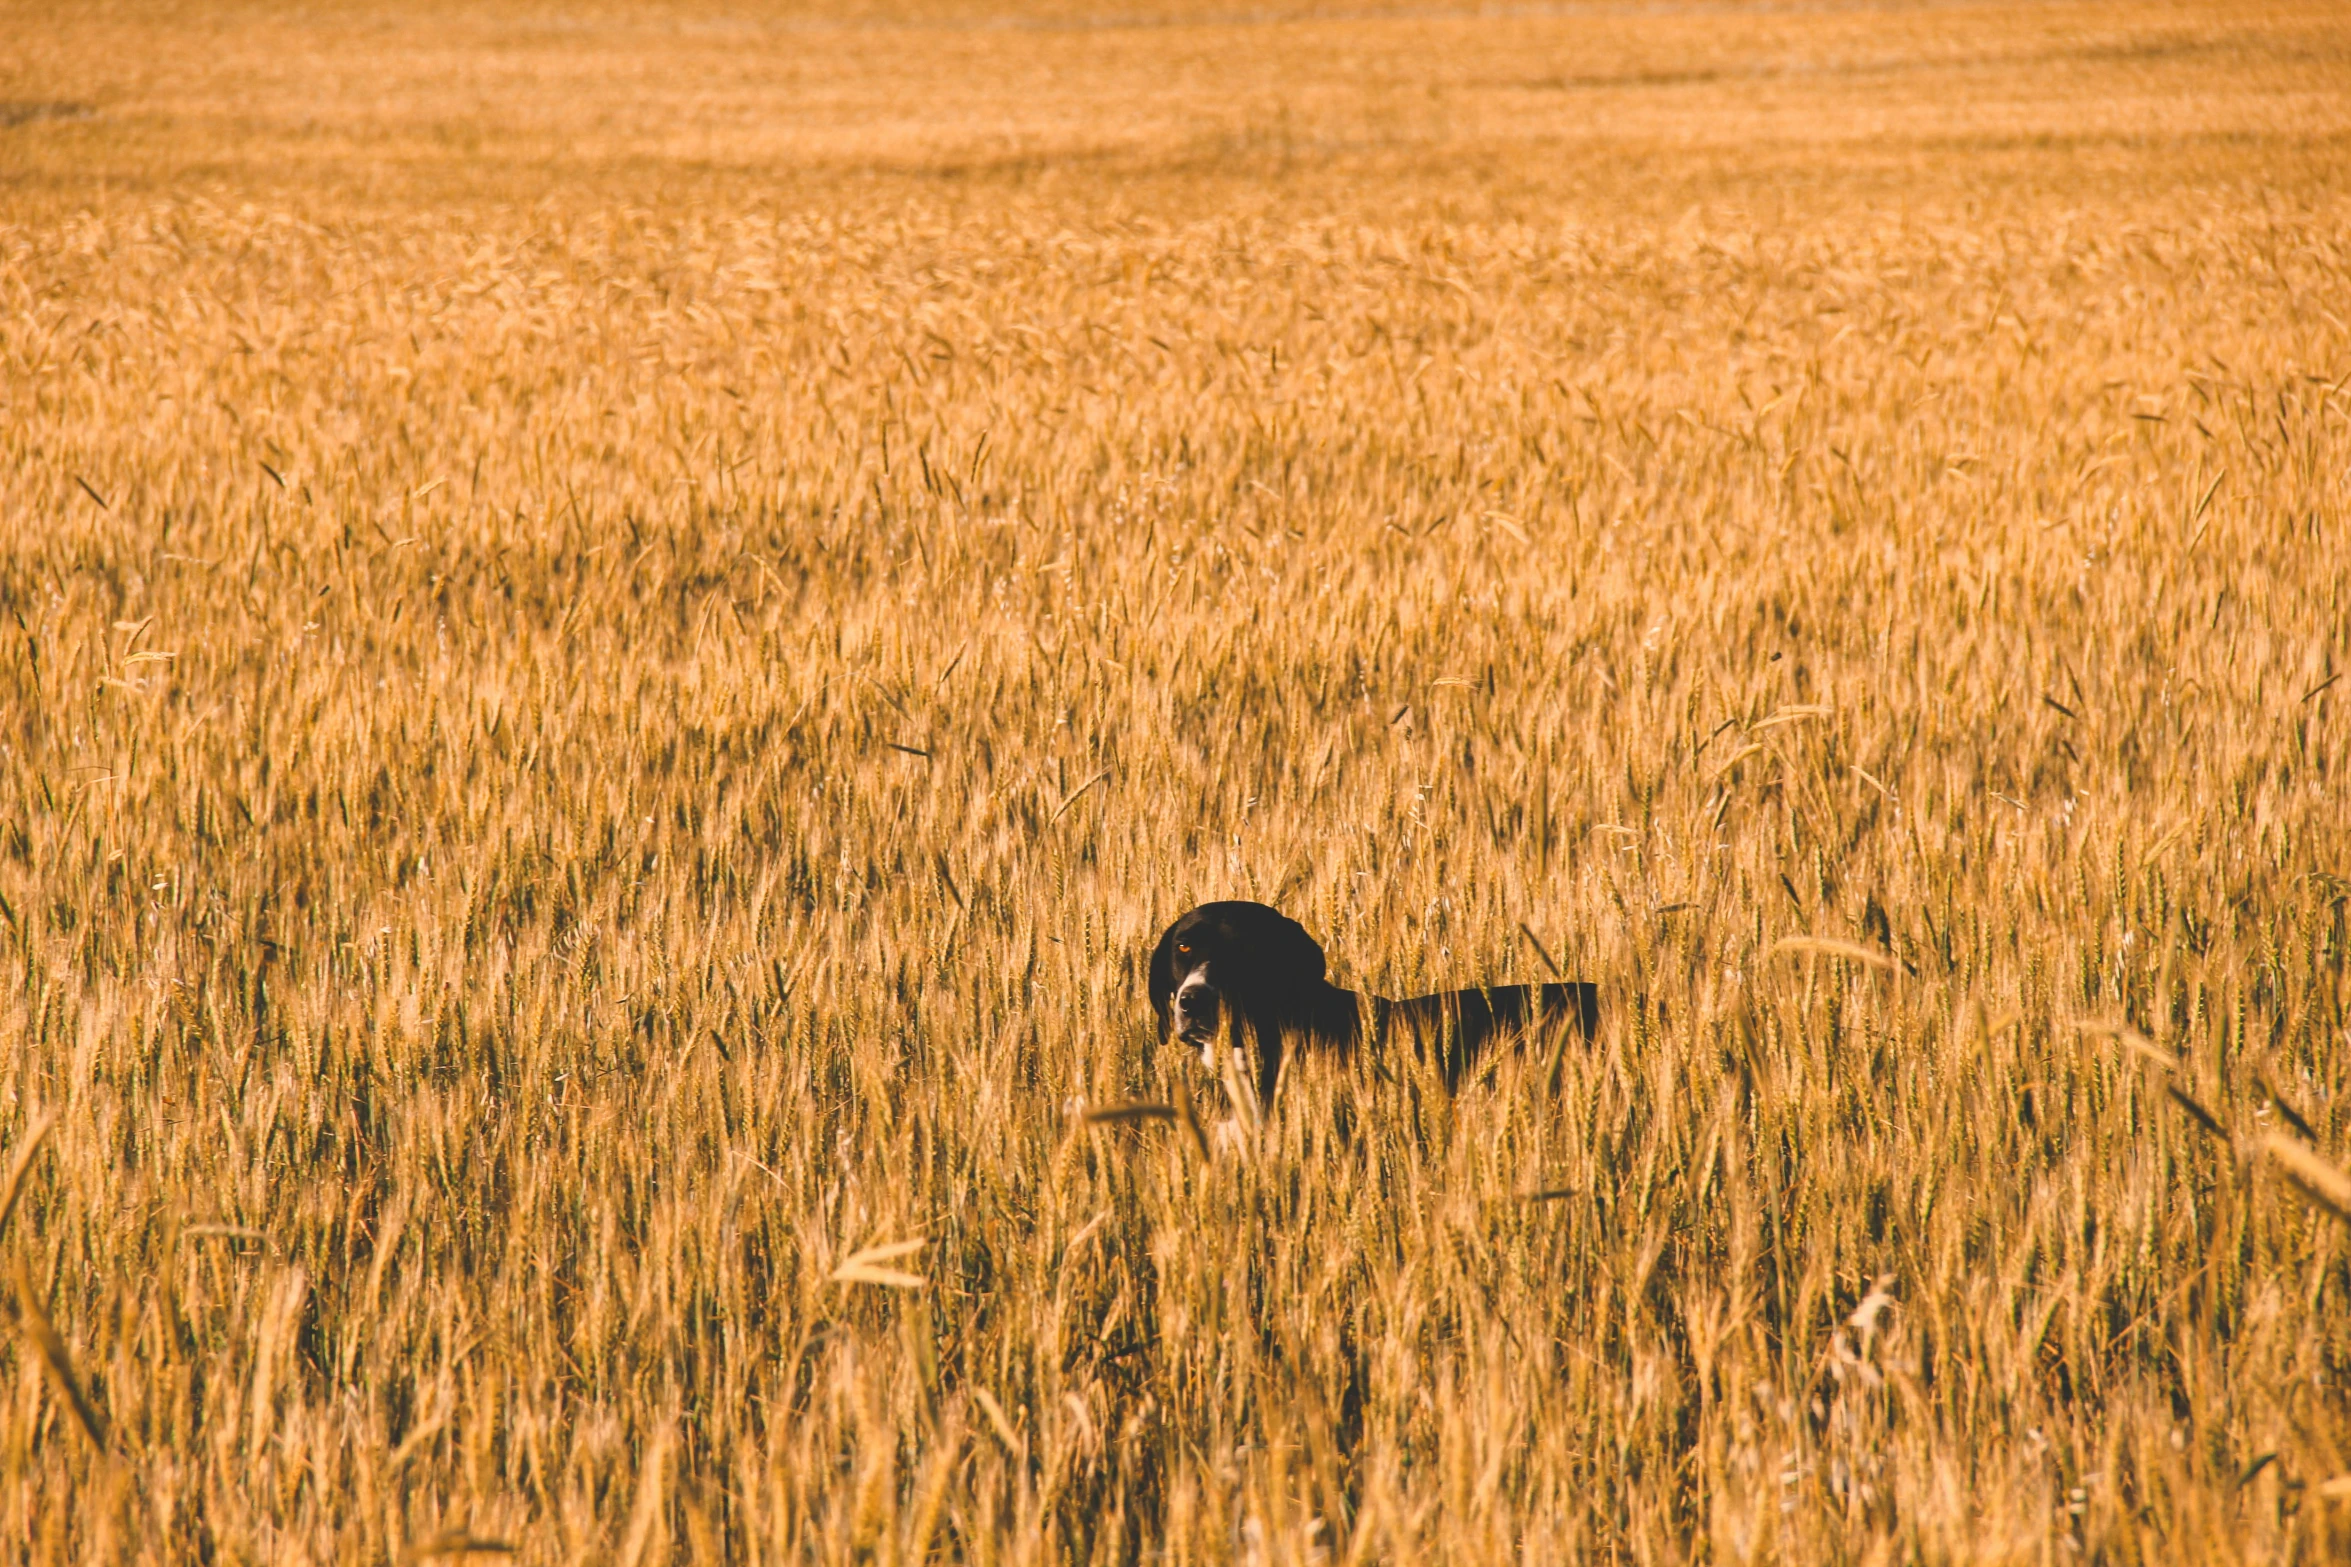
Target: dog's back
1456	1027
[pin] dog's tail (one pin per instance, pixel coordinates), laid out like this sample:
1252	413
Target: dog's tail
1458	1027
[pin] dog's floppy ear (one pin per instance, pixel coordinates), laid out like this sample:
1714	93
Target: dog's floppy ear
1290	952
1163	976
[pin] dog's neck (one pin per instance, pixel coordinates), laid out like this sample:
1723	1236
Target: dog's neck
1339	1017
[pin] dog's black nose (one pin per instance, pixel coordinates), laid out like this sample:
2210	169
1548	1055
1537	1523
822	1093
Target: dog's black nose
1195	1005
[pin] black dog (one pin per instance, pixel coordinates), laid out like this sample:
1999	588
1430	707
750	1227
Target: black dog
1254	970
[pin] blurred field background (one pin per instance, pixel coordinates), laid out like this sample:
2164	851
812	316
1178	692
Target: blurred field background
619	622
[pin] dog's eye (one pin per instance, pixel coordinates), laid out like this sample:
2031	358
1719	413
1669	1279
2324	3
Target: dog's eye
1183	949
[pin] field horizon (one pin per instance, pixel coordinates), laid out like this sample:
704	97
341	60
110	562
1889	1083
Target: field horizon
619	625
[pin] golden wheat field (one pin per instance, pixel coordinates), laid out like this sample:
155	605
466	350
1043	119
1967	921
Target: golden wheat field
620	623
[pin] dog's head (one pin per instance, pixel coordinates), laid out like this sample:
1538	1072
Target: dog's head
1241	964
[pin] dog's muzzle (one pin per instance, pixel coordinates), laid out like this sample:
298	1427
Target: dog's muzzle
1198	1008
